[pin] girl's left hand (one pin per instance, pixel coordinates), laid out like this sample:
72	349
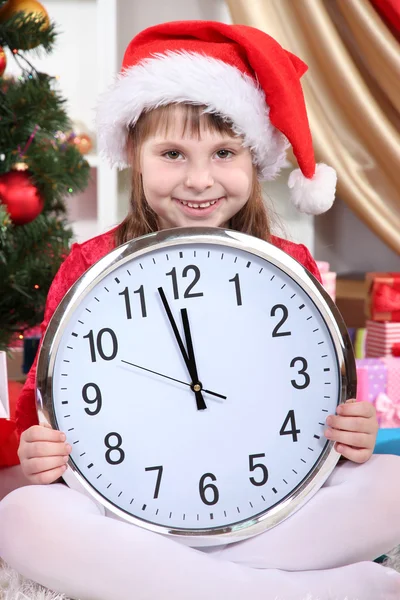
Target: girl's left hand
354	428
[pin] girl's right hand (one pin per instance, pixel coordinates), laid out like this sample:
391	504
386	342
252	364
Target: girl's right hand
43	453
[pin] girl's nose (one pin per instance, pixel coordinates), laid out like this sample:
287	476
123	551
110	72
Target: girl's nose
199	179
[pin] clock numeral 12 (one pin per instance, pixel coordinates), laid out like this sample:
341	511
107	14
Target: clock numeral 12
139	291
99	344
188	293
236	281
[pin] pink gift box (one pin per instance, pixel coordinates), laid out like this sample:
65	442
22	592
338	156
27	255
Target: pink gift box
378	381
323	266
381	337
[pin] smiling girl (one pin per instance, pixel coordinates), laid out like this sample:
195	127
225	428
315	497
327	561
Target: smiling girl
202	113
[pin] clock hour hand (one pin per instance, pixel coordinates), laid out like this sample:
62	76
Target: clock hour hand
172	378
196	385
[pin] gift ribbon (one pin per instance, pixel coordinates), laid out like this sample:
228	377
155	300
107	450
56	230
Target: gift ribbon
387	410
386	299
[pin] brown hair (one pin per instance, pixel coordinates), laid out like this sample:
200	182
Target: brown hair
252	218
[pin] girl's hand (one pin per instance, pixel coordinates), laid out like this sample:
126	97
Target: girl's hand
43	454
354	428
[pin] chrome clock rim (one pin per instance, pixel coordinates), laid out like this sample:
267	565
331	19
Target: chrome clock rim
222	237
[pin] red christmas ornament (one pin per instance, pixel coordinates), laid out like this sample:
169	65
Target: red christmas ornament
20	197
3	61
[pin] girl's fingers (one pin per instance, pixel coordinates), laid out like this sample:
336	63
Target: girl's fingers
45	449
40	433
358	424
47	477
36	466
356	409
357	440
357	455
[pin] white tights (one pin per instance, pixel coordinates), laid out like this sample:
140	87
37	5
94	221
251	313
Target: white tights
61	539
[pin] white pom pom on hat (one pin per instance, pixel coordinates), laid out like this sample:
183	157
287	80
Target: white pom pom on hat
236	71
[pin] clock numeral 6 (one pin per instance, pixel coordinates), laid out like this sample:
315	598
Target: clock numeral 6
116	448
99	344
293	431
97	398
303	372
188	293
254	466
209	486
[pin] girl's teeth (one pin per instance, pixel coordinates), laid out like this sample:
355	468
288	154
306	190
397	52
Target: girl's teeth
199	206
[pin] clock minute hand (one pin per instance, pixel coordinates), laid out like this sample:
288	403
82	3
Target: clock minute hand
196	385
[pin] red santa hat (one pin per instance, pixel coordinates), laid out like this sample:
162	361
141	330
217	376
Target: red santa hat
237	71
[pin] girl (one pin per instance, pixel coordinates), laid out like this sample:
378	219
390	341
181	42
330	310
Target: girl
203	112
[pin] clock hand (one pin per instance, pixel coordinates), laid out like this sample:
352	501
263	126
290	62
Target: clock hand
196	385
172	378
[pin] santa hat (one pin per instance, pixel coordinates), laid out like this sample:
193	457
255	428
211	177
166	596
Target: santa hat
238	72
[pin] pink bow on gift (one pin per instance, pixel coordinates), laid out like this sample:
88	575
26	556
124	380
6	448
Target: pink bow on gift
388	411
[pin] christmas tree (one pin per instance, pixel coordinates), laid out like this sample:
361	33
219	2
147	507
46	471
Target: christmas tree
40	167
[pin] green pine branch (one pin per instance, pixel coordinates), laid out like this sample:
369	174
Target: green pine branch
32	115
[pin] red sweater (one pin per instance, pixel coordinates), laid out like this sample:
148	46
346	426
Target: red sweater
81	257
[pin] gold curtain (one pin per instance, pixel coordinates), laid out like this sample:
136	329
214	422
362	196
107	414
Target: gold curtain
352	92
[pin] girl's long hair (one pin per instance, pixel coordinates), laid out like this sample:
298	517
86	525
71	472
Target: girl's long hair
252	218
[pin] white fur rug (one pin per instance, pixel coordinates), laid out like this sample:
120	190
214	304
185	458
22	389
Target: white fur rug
15	587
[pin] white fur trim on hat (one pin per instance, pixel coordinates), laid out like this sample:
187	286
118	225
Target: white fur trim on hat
313	196
198	79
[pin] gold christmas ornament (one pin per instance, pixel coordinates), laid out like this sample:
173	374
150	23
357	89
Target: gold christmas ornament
32	7
83	143
19	166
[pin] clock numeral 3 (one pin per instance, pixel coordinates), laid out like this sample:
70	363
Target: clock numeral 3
158	482
276	332
188	293
139	291
293	431
254	466
97	398
303	372
99	344
115	448
209	486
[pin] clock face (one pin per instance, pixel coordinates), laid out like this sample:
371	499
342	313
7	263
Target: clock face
143	438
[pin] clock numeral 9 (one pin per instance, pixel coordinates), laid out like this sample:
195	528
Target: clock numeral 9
254	466
139	291
115	448
185	272
209	486
285	314
97	398
303	372
293	431
99	344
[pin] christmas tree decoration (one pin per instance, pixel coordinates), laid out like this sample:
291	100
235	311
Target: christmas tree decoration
20	196
3	61
83	143
38	173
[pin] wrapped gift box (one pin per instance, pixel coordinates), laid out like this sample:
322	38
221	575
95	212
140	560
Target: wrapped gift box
328	278
383	301
379	383
381	338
